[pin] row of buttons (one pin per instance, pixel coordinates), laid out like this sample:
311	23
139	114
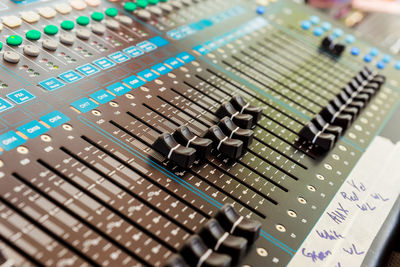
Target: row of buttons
231	36
319	30
187	30
72	76
86	104
12	139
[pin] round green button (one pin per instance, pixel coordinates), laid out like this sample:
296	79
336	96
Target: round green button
33	35
130	6
51	30
1	45
67	25
97	16
164	1
14	40
153	2
83	20
142	3
111	12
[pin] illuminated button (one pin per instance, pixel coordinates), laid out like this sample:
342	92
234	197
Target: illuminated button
12	21
318	31
20	96
14	40
130	6
326	26
55	119
51	30
260	10
397	65
78	4
51	84
11	57
133	81
102	96
119	89
67	25
63	8
111	12
11	140
374	51
386	58
380	65
84	105
47	12
70	76
97	16
355	51
367	58
93	3
30	16
142	3
33	129
153	2
5	105
350	39
1	46
337	32
306	25
83	20
33	35
314	19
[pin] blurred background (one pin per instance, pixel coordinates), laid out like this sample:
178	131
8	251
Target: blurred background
376	20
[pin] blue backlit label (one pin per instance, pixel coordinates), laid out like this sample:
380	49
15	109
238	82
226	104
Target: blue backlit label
87	69
148	75
102	96
174	63
119	57
104	63
51	84
54	119
118	89
133	81
84	105
133	51
186	57
70	76
161	68
5	105
11	140
33	129
159	41
146	46
20	96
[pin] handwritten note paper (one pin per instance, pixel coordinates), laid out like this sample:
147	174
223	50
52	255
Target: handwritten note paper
349	225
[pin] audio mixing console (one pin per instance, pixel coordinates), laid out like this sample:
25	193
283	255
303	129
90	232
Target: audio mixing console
191	133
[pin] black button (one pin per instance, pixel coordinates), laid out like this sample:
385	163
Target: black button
326	43
244	121
202	145
196	253
238	225
241	105
338	49
235	132
176	261
221	241
231	148
311	133
180	155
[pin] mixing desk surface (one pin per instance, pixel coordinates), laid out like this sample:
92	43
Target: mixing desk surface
193	133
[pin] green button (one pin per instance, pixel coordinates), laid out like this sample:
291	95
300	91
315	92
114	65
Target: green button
111	12
153	2
130	6
1	46
33	35
142	3
51	29
14	40
83	20
67	25
164	1
97	16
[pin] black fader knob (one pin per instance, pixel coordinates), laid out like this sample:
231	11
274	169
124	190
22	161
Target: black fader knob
176	261
322	125
317	137
343	108
196	253
202	145
221	241
180	155
332	116
244	121
338	49
356	103
326	43
231	148
238	225
235	132
243	107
